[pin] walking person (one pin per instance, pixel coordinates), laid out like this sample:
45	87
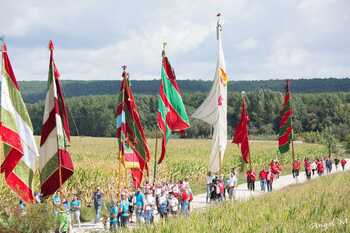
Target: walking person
329	164
232	184
343	163
209	183
163	205
124	210
173	204
269	179
75	209
314	166
296	170
336	163
251	177
98	203
320	167
263	179
149	207
184	202
113	216
139	205
308	169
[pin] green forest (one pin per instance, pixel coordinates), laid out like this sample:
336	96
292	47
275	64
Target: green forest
94	115
318	104
34	91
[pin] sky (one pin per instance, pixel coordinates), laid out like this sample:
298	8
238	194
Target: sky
270	39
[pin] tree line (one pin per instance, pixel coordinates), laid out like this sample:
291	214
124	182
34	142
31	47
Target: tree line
34	91
94	115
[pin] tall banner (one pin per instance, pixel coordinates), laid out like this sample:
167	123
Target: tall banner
133	146
241	131
16	132
214	108
285	124
171	115
56	165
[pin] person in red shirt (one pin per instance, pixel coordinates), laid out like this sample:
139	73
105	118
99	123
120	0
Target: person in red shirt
308	169
320	167
269	180
296	168
343	163
251	177
263	176
222	189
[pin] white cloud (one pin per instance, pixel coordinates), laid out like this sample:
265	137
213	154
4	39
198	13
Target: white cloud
303	37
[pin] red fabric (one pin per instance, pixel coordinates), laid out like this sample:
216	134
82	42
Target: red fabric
136	174
52	184
320	167
20	188
274	168
263	175
162	127
184	196
343	162
174	121
307	165
296	165
7	66
284	139
241	132
129	103
222	187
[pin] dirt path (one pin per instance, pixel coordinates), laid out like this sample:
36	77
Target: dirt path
242	194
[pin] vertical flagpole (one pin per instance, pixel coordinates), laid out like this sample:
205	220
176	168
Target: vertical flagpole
245	104
155	158
156	144
291	120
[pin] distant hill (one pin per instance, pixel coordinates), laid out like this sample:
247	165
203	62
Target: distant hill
34	91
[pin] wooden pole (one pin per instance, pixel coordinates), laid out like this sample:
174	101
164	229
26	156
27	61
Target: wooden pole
155	159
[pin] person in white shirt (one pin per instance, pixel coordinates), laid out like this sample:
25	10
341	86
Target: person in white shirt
149	207
173	204
209	183
232	184
314	167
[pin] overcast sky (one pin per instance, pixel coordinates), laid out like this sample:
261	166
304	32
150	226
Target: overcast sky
261	39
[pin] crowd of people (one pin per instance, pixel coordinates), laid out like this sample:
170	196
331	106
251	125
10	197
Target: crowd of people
218	187
140	206
171	199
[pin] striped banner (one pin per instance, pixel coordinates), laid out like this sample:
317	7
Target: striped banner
56	165
16	131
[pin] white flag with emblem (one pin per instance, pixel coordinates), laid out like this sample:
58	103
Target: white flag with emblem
214	109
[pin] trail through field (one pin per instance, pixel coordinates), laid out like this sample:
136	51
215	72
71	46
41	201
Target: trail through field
242	194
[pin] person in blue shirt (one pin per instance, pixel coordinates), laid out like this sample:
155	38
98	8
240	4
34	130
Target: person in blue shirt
113	216
75	209
98	203
139	204
56	201
124	210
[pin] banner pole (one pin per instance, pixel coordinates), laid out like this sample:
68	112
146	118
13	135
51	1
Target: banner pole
155	159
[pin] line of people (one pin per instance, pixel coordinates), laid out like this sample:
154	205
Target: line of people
144	203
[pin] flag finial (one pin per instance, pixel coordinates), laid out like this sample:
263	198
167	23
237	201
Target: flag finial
3	46
243	93
164	45
219	25
125	74
51	47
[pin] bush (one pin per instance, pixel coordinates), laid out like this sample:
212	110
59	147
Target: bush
87	214
37	218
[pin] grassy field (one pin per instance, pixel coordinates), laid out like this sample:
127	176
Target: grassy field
95	162
308	207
